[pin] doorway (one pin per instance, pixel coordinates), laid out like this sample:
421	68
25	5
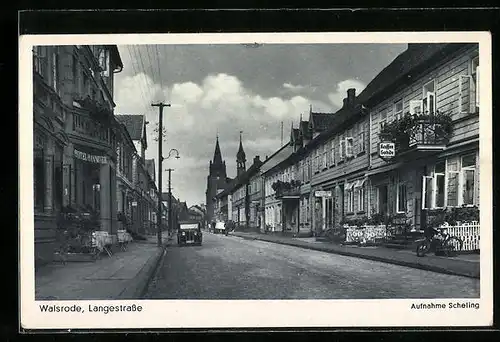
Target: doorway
383	199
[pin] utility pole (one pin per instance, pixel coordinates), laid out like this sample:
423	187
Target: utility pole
160	169
170	199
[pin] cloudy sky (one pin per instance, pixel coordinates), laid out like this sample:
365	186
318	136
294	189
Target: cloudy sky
222	89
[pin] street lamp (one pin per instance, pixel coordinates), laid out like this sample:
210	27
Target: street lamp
170	189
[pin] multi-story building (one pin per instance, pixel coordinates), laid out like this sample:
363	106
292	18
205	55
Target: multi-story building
125	186
74	137
270	175
141	204
427	103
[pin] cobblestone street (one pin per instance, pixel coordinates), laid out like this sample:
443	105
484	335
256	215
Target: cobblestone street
229	267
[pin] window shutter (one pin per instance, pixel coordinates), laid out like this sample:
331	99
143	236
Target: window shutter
464	96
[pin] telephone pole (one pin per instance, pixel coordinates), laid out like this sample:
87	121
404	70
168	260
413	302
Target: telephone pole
160	169
170	199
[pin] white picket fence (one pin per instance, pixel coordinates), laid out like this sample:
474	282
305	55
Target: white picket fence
468	232
366	233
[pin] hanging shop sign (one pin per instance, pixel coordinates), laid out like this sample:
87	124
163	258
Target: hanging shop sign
323	194
386	150
92	158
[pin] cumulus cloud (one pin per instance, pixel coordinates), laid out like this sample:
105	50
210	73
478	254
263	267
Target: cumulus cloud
337	97
293	87
218	105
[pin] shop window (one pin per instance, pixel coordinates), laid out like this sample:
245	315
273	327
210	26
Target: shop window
439	184
360	195
429	98
398	109
39	178
58	178
401	197
349	197
468	179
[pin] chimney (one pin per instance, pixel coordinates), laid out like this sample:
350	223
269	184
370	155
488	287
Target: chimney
345	103
256	159
351	96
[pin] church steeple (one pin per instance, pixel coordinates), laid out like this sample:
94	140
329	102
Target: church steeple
240	159
217	155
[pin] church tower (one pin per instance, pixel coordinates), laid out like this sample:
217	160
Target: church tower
240	159
216	179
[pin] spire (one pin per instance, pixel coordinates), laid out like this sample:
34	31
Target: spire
240	156
217	154
240	159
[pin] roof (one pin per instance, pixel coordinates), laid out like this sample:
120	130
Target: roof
242	179
133	123
150	166
295	136
416	56
282	154
304	129
322	121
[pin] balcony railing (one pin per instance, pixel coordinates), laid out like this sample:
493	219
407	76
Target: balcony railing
286	189
422	132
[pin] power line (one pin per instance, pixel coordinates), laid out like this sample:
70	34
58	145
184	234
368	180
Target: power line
148	86
159	69
132	60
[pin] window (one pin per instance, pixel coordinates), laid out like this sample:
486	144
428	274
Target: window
452	184
427	182
361	195
439	184
332	153
39	172
401	197
58	178
325	155
475	79
350	197
468	179
342	148
361	142
429	98
39	60
383	118
85	84
415	107
349	147
55	70
398	109
74	69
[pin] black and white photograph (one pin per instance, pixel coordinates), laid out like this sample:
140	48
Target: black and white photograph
232	180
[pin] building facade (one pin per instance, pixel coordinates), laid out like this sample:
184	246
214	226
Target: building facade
433	119
74	137
217	180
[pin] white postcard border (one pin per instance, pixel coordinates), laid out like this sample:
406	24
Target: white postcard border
252	313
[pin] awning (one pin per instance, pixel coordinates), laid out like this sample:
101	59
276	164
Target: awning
359	183
384	168
348	186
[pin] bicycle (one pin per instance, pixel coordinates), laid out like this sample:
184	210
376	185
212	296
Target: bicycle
440	241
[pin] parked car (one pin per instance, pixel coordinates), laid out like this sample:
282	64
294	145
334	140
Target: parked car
189	233
220	227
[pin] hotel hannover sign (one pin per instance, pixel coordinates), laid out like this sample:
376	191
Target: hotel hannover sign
386	150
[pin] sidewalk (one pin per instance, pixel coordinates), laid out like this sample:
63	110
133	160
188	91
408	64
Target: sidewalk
462	265
124	275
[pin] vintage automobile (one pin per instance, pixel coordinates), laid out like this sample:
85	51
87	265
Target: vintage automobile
189	233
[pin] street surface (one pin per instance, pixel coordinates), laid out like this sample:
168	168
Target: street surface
229	267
